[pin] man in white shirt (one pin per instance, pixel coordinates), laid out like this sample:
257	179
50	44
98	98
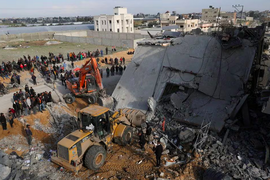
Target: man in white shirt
28	101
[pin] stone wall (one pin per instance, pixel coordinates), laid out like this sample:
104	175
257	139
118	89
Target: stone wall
125	40
27	36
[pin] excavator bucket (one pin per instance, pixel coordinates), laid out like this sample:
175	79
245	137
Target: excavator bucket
135	116
106	101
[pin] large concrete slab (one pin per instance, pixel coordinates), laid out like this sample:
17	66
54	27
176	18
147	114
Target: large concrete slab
139	80
216	76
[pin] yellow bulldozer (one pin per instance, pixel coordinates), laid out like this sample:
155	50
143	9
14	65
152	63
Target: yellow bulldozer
99	129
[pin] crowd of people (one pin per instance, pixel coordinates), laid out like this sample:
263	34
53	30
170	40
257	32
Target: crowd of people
25	103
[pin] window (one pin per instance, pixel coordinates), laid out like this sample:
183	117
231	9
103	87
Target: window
188	25
118	30
105	22
181	26
97	29
102	22
97	22
110	21
127	29
117	21
110	29
127	21
196	24
131	21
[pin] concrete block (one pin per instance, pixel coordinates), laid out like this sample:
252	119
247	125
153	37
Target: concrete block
115	35
109	35
76	39
122	36
138	36
95	34
97	41
89	33
83	39
116	42
127	43
68	39
90	40
131	36
106	42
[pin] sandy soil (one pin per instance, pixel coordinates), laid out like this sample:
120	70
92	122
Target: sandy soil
122	161
38	48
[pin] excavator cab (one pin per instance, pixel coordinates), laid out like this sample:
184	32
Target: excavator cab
90	84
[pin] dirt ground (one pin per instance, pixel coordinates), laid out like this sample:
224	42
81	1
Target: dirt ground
39	48
122	161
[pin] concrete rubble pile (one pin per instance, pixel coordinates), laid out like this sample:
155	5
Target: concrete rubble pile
31	166
239	159
60	123
35	163
15	142
204	83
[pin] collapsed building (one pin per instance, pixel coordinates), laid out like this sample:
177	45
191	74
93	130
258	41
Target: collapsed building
202	82
205	79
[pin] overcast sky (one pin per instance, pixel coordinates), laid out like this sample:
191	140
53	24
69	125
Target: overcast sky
41	8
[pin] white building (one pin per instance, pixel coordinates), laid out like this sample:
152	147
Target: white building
121	21
185	25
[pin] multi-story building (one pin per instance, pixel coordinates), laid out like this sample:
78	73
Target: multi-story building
121	21
213	15
210	15
185	25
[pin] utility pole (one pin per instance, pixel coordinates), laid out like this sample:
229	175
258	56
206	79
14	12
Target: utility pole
239	6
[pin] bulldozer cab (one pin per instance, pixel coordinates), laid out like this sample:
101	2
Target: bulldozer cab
97	119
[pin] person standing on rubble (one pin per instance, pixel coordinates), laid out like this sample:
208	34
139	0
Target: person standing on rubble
34	78
26	88
3	121
11	118
148	133
158	149
142	140
28	134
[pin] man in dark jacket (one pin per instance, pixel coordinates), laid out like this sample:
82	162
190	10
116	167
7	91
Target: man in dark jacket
34	78
18	78
16	108
158	149
32	91
26	88
3	121
142	140
50	96
28	134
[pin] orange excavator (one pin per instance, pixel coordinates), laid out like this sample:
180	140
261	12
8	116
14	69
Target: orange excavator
88	85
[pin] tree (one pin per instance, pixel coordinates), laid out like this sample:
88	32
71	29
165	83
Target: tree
151	24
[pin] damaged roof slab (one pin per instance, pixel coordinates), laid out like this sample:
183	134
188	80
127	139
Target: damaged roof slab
199	63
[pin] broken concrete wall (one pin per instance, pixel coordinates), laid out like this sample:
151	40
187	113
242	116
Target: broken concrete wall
216	76
139	80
